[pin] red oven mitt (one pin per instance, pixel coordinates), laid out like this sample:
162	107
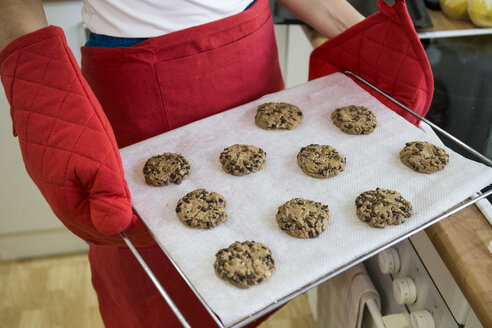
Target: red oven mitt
67	144
384	50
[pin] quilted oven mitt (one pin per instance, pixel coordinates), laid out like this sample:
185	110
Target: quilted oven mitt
67	144
384	50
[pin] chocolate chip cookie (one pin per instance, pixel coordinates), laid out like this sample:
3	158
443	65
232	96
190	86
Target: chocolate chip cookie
201	209
381	207
320	161
167	168
278	116
354	119
303	218
242	159
244	264
424	157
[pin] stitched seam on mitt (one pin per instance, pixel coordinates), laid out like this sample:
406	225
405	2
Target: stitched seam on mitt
47	86
58	118
32	104
68	151
397	73
50	134
83	193
386	75
45	56
113	144
13	79
12	92
379	56
70	157
109	208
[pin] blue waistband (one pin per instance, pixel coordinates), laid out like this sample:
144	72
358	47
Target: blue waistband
106	41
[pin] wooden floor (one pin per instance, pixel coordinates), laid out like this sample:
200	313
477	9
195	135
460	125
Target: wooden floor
57	292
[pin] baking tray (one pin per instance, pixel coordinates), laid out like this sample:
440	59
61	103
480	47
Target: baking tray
408	229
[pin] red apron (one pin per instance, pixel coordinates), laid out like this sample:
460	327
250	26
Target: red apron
160	84
153	87
169	81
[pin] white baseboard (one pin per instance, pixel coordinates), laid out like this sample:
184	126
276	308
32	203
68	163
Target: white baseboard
40	243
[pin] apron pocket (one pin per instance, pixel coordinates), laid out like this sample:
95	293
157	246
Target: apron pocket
207	83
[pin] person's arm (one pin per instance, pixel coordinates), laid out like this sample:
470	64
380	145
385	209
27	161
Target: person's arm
19	17
329	17
66	141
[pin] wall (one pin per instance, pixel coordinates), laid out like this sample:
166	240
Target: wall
28	227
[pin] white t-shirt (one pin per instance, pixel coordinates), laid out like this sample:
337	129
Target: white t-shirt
149	18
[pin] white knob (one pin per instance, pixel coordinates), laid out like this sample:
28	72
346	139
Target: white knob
422	319
404	290
397	320
389	261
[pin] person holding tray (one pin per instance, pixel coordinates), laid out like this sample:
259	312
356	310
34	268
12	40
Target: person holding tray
148	67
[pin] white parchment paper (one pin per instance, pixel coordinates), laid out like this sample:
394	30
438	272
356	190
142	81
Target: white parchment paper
252	200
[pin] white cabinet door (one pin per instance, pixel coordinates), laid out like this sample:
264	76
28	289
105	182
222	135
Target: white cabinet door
28	227
294	50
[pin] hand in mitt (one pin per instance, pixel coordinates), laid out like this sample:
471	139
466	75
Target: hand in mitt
384	50
67	144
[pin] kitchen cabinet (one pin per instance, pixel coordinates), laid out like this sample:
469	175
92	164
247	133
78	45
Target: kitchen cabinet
28	227
294	50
